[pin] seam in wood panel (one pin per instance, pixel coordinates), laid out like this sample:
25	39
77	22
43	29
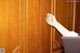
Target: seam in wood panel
52	38
51	35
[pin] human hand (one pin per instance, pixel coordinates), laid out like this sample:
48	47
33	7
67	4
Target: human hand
51	20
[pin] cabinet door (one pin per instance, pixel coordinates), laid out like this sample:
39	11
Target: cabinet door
38	31
64	14
12	26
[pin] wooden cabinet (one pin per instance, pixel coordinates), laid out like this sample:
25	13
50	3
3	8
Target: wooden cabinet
23	28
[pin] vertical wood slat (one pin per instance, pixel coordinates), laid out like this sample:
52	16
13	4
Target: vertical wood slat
38	36
74	15
32	36
51	35
26	50
3	24
13	28
45	7
9	25
22	26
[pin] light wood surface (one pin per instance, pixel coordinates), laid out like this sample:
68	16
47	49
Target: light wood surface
12	26
38	31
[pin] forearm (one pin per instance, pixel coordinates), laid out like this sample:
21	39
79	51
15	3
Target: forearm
51	20
65	32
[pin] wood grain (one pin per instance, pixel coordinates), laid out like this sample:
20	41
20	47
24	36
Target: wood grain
38	36
11	25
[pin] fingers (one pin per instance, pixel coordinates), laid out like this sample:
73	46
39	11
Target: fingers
47	19
50	15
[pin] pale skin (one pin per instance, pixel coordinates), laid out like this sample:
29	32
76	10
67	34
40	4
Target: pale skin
51	20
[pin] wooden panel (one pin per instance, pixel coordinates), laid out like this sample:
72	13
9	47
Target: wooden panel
33	37
77	25
10	27
3	25
13	29
45	7
38	32
64	14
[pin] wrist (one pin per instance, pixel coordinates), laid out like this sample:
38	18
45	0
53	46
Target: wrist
56	24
